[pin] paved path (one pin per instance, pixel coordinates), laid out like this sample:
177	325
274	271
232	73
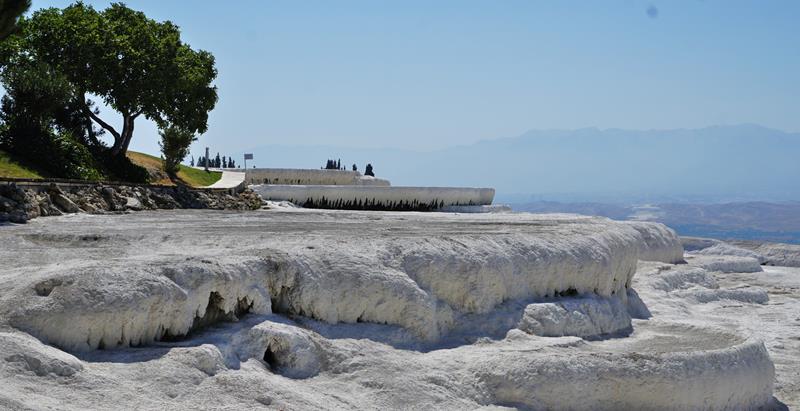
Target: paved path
229	179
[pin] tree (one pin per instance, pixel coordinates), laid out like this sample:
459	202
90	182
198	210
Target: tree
217	161
224	162
368	171
191	163
40	122
355	168
136	65
175	144
231	163
10	12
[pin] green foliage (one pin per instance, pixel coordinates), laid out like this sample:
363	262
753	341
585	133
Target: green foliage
10	167
334	165
138	66
40	123
175	144
10	12
59	154
121	168
188	175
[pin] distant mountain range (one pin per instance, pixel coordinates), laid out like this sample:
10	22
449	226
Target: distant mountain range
721	163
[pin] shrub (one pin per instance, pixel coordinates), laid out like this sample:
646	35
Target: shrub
58	154
175	144
121	168
41	124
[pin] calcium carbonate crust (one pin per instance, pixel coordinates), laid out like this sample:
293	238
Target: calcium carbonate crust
231	328
419	285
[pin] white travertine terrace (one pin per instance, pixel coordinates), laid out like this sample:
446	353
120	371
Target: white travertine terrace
319	310
298	176
381	196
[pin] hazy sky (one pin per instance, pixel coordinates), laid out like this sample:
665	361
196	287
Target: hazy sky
430	74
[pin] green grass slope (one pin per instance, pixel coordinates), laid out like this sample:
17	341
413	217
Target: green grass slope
13	169
187	175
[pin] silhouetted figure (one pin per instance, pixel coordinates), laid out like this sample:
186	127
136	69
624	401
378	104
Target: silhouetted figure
368	171
355	168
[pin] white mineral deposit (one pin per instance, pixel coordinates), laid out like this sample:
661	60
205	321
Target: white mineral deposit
290	308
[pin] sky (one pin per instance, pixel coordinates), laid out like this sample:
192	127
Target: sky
423	75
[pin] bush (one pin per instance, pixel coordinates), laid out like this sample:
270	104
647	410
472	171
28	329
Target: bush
42	125
120	168
57	154
175	144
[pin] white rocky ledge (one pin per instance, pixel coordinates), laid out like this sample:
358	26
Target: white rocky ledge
420	282
315	310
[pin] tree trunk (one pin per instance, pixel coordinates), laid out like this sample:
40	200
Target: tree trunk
122	142
128	136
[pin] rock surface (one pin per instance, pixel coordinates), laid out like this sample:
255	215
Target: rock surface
19	205
306	309
775	254
785	255
584	317
725	263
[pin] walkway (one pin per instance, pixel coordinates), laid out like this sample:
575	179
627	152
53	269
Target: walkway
229	179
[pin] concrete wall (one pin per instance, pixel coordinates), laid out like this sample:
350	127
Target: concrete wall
295	176
357	197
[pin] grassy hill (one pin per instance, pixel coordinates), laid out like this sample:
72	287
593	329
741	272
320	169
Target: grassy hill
9	167
188	175
12	168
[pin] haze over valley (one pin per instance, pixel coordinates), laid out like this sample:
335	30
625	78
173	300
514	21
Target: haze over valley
713	164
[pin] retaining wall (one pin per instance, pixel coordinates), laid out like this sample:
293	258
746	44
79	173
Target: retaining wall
295	176
375	198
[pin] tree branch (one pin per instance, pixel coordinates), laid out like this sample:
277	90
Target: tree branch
100	121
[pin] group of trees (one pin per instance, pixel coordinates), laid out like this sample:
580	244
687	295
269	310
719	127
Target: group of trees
53	63
216	162
334	165
337	165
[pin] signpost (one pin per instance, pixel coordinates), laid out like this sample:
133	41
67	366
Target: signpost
247	156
